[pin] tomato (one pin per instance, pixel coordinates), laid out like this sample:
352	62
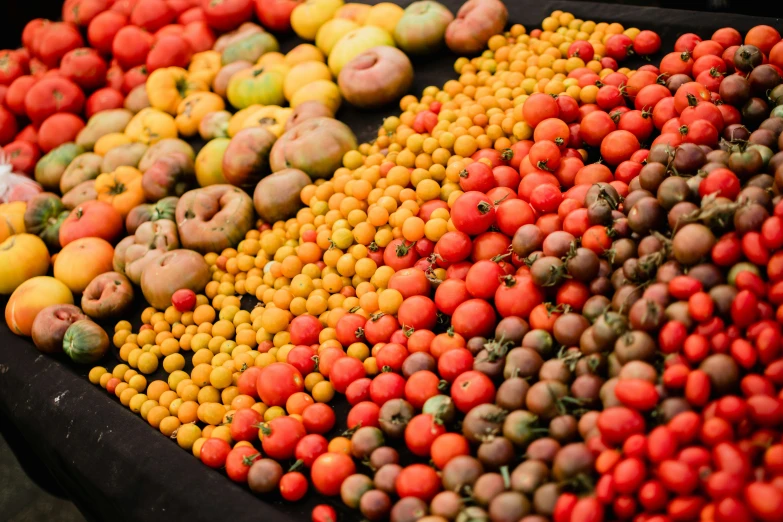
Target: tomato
15	95
483	279
637	393
420	433
418	312
470	389
329	471
8	126
646	43
551	129
474	318
721	181
82	12
58	129
91	219
303	359
214	452
324	513
103	100
450	294
477	176
305	329
517	296
595	127
31	29
29	134
199	35
114	76
169	51
280	436
11	67
244	424
454	362
358	391
346	371
639	123
151	15
511	214
52	95
131	46
293	486
277	382
421	385
366	413
103	28
418	480
312	446
225	15
247	381
618	423
531	181
54	40
387	386
409	282
350	329
473	213
22	155
727	36
650	95
762	36
391	356
581	49
379	328
618	146
400	254
689	94
275	15
538	107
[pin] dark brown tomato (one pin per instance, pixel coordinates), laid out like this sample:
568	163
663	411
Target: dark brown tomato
557	243
544	398
461	472
446	504
522	362
375	505
539	341
595	306
723	373
555	370
545	498
572	460
489	362
511	393
749	218
734	90
764	137
563	428
509	506
569	327
520	427
594	363
496	452
608	398
386	476
382	456
635	345
512	330
547	271
623	250
692	242
394	416
408	509
487	487
657	292
625	297
482	421
529	476
583	265
544	449
587	344
671	407
586	389
646	315
418	361
723	295
651	176
671	191
608	327
527	239
681	213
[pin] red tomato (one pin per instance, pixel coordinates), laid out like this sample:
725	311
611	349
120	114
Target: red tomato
194	14
324	513
649	96
366	413
55	40
103	28
329	471
727	36
454	362
238	462
762	36
477	176
277	382
346	371
473	213
312	446
52	95
91	219
244	424
687	42
421	385
103	100
131	46
646	43
15	95
470	389
410	282
169	51
58	129
199	35
302	358
151	15
448	446
538	107
81	12
134	77
293	486
483	279
11	67
636	393
450	294
350	329
280	436
618	423
400	254
22	155
8	126
595	127
474	318
247	381
214	452
418	312
305	329
421	432
225	15
517	295
418	480
379	328
31	30
84	67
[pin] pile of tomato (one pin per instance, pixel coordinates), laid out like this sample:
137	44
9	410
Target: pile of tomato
551	289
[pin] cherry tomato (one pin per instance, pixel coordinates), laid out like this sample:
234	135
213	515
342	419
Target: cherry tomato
214	452
238	461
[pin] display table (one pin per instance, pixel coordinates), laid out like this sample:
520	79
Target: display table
110	462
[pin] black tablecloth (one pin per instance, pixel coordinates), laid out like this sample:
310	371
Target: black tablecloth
110	462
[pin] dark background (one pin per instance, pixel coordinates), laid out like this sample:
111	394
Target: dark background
112	464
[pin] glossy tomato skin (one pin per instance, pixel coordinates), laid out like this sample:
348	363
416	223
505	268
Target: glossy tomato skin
54	40
517	295
151	15
421	432
103	28
199	35
52	95
280	436
8	126
169	51
277	382
225	15
103	100
329	471
473	213
470	389
310	447
23	155
58	129
214	452
275	15
418	480
365	413
418	312
387	386
130	46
